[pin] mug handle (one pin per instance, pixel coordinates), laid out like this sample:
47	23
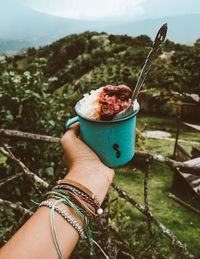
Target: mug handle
70	122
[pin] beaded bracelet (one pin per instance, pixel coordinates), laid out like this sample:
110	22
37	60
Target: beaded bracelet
69	203
56	195
68	217
76	206
82	196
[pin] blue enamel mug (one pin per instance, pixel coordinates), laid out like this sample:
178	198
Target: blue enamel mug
113	141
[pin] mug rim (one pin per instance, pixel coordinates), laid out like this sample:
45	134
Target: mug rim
100	121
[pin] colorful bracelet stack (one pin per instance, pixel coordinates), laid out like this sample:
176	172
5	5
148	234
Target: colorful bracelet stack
83	202
69	218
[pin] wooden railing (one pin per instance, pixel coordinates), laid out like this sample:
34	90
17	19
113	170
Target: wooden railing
145	210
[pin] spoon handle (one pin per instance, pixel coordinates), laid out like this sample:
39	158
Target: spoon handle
160	37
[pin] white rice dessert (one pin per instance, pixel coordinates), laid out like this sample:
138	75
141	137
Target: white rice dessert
90	105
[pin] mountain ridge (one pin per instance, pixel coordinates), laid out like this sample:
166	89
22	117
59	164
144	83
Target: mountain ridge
38	29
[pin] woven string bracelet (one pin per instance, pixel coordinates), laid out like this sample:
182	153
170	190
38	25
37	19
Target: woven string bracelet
86	214
77	185
76	191
69	203
68	217
86	207
74	223
57	193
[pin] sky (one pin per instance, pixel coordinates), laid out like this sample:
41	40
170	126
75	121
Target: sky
119	10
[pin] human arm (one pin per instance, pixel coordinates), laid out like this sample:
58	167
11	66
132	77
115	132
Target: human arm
34	239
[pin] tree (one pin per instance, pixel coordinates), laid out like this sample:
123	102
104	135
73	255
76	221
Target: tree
169	45
31	51
167	77
197	43
188	61
142	41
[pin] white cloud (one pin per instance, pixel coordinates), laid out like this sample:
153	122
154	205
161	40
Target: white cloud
90	9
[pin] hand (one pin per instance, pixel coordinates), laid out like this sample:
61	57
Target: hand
76	152
83	164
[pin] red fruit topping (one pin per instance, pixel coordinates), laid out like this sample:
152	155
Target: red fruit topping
113	100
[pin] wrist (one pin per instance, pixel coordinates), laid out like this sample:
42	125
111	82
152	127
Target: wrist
95	176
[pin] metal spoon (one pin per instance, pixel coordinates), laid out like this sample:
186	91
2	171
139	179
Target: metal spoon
160	37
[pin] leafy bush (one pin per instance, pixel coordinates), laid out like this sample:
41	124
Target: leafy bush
26	105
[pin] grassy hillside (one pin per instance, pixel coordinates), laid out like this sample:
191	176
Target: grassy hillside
107	57
113	59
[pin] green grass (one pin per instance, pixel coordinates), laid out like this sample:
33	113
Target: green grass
152	121
183	223
156	120
158	146
165	147
190	136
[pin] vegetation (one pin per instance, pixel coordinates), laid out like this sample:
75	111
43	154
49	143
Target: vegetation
133	224
169	124
180	74
38	91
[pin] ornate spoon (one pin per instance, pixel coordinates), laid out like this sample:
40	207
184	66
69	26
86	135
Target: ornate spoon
160	37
